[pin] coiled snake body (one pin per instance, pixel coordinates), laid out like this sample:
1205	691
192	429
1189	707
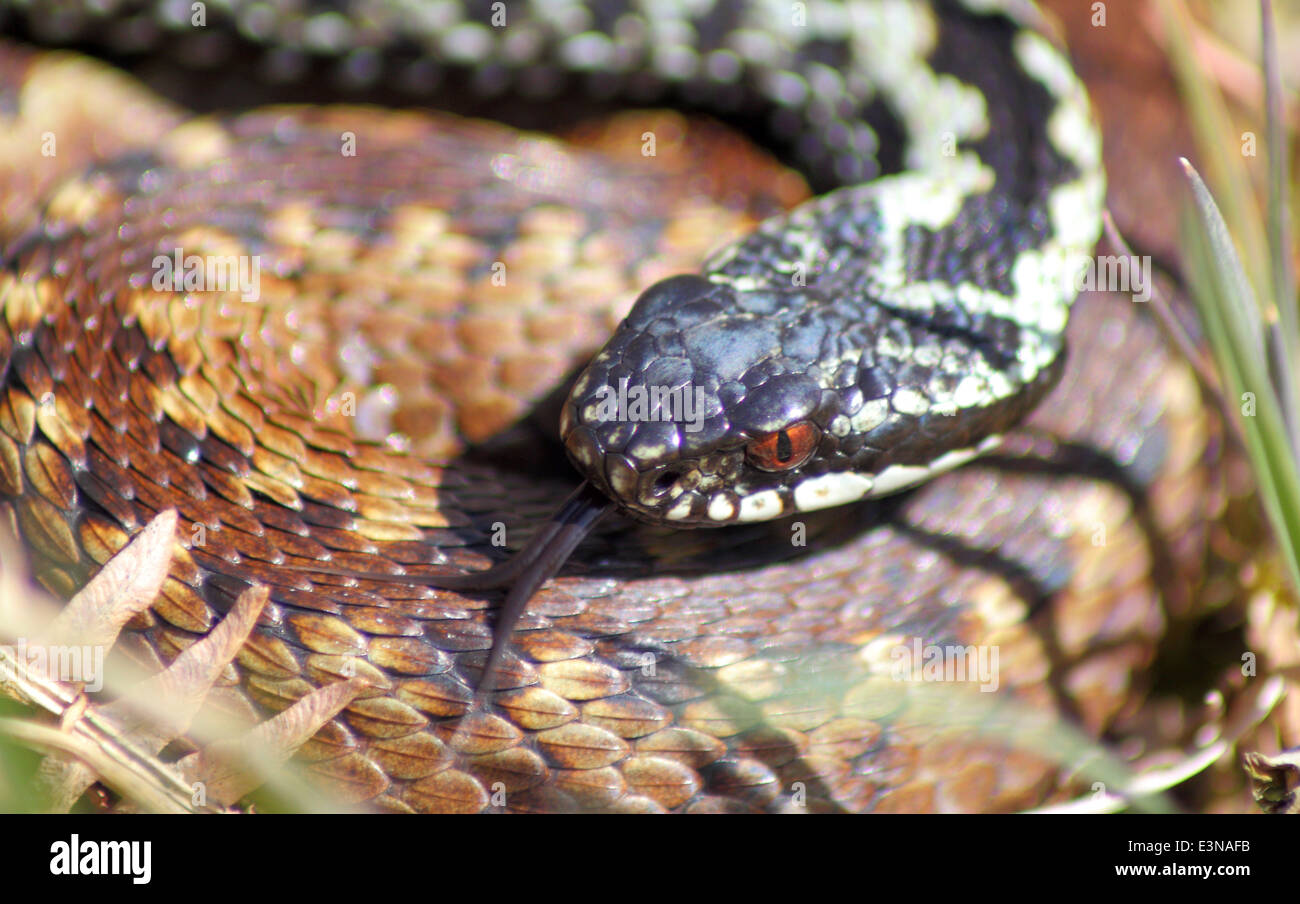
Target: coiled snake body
866	341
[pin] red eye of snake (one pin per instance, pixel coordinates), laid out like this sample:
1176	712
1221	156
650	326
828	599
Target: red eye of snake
784	449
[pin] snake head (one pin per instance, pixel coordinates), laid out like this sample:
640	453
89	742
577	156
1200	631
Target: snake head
730	399
693	413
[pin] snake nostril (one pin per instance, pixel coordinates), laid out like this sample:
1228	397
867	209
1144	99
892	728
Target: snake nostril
664	482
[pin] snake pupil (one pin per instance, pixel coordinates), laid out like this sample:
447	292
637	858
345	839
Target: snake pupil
784	451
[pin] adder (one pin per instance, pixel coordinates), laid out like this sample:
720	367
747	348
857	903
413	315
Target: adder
348	433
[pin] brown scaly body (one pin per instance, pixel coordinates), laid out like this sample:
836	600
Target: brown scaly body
689	671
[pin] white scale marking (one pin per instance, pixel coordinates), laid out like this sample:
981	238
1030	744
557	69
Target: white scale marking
760	506
721	508
680	510
830	489
847	486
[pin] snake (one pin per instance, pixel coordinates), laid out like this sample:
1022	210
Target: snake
852	371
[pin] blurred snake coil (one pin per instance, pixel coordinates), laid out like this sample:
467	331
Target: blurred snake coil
425	288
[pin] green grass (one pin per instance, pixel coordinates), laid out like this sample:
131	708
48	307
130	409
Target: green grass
1238	266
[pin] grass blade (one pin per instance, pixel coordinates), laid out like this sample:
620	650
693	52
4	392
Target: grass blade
1230	314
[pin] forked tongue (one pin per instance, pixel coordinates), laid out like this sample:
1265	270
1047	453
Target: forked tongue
530	568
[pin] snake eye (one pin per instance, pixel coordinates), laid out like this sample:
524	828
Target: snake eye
784	449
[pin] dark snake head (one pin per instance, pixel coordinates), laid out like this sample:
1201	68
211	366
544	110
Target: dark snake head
694	413
718	401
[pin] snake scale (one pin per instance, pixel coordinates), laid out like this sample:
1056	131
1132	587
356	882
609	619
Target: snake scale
426	284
